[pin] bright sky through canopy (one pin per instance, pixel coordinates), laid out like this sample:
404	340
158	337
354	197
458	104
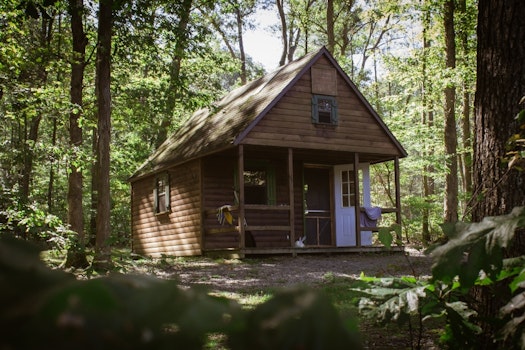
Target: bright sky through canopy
261	44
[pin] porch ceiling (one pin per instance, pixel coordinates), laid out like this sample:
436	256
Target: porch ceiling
315	156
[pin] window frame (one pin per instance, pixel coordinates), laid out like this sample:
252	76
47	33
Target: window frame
315	110
271	182
161	191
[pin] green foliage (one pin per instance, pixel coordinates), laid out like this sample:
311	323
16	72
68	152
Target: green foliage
473	257
34	223
515	157
476	248
41	307
388	235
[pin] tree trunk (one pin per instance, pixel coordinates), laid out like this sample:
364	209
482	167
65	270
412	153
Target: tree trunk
29	155
45	36
102	249
284	31
75	183
75	214
242	54
500	86
175	66
428	121
465	122
451	183
330	26
94	190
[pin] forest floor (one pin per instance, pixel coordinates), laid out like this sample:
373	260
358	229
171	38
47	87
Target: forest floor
251	281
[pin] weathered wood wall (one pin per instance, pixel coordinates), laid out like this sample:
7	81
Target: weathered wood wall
177	232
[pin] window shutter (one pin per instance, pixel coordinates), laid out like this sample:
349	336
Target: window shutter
315	106
155	198
334	112
167	192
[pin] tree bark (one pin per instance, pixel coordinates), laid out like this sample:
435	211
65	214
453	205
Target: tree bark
500	86
284	31
31	137
105	23
428	121
75	180
330	26
466	110
242	54
175	67
75	213
451	183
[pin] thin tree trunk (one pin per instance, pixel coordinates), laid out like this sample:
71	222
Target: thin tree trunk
45	36
175	67
451	182
102	247
284	31
94	190
465	122
330	26
51	184
428	122
75	212
75	183
242	54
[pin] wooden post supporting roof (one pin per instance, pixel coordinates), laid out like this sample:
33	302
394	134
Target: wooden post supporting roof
357	205
398	192
240	176
291	196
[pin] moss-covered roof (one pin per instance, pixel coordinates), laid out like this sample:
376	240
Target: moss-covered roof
224	124
219	126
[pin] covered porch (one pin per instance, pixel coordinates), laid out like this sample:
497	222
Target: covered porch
314	197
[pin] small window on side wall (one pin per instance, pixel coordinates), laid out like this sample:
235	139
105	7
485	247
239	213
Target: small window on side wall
324	110
161	194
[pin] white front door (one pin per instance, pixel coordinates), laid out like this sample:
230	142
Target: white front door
344	196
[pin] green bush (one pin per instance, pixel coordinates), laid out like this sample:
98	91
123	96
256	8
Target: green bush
45	308
473	257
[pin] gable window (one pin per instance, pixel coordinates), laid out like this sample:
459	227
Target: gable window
161	194
324	110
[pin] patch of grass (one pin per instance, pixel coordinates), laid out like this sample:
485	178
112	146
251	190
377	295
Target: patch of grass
216	341
248	299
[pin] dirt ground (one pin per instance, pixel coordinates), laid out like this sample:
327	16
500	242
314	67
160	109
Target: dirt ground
223	275
251	275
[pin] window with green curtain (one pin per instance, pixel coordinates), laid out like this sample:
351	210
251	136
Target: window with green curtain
259	183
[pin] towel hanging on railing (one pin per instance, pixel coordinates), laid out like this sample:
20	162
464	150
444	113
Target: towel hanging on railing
369	216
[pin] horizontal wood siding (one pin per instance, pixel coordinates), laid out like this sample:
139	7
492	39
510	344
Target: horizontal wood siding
218	185
174	233
289	123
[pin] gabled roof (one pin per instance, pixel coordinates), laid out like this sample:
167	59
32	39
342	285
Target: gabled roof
224	124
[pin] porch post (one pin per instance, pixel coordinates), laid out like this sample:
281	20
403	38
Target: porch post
398	192
357	204
240	177
291	196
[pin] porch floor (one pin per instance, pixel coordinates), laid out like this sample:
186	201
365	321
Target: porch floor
240	253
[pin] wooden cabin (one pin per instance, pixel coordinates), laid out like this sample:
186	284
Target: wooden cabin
281	159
